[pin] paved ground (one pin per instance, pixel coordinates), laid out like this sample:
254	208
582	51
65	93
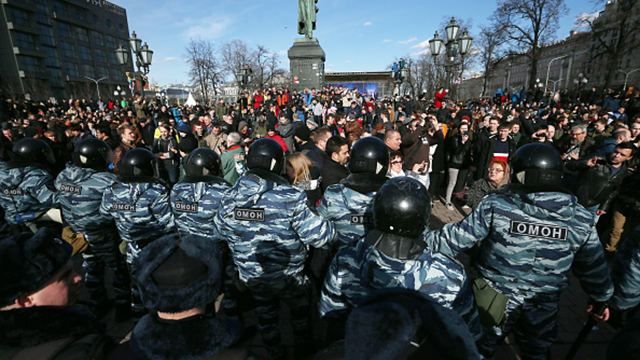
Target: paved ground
571	319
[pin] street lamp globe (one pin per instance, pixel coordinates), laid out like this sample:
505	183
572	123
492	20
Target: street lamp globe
451	29
123	55
135	42
465	42
146	54
435	44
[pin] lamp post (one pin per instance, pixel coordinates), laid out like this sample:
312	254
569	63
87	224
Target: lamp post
97	82
143	56
626	76
579	82
538	87
546	80
456	47
244	76
400	72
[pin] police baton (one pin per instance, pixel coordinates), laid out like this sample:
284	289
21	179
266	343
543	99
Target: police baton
598	309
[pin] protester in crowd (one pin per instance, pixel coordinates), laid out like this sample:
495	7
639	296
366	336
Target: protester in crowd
334	169
497	176
233	154
458	147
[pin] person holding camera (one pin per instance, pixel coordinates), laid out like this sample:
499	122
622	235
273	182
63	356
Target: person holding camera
458	151
415	148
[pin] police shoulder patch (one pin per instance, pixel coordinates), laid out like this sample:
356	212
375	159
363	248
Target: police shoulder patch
185	207
12	192
538	230
123	207
248	214
68	188
359	219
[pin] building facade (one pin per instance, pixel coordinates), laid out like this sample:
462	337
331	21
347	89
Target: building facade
583	59
61	48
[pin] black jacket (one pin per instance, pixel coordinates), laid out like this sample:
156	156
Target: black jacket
458	154
332	173
51	332
597	186
197	337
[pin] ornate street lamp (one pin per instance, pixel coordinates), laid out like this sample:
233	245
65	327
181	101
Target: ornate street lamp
457	46
143	56
435	44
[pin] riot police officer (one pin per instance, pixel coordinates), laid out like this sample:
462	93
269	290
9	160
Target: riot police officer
268	227
139	204
529	236
80	187
392	255
26	187
347	204
194	200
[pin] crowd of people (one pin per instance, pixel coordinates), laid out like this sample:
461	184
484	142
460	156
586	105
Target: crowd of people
320	200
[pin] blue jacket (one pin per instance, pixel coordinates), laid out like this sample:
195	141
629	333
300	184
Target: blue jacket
26	193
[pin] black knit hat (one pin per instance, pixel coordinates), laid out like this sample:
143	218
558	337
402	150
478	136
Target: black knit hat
178	272
28	261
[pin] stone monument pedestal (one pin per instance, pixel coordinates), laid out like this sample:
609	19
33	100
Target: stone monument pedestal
306	61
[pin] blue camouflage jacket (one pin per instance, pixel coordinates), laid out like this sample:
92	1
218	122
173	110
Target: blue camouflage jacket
349	210
26	193
141	211
80	193
357	271
626	272
194	205
528	243
269	227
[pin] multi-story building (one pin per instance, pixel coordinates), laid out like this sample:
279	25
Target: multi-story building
60	48
582	59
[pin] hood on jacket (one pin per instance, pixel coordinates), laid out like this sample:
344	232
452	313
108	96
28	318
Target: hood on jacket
553	205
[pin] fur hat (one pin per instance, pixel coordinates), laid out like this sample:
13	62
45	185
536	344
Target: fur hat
386	323
178	272
28	261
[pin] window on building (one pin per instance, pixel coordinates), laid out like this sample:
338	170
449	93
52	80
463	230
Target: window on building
55	77
64	31
50	57
96	39
71	70
17	16
68	50
24	41
81	34
28	64
83	53
87	70
110	42
46	35
99	56
102	72
42	13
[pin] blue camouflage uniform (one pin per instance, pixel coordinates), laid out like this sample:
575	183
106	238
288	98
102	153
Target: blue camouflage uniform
80	194
626	272
358	270
268	227
141	211
527	246
194	205
26	193
349	210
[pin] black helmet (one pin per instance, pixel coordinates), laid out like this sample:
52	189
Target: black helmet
537	165
202	162
33	151
136	163
266	154
402	206
369	155
92	153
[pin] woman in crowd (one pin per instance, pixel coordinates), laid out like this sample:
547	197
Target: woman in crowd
497	176
458	148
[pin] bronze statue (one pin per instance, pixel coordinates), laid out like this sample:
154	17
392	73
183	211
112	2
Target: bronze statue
307	10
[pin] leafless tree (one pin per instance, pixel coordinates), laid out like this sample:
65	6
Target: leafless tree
528	25
490	52
615	36
267	66
235	54
204	68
